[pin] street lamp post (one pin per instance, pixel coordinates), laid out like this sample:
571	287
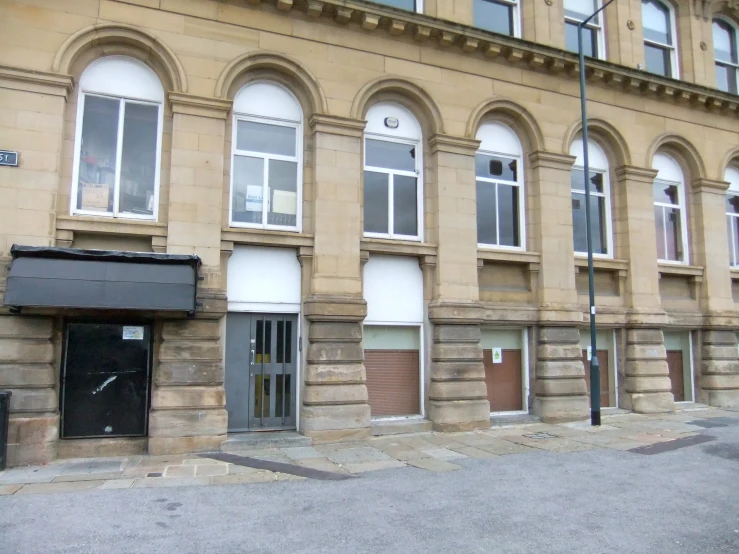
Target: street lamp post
594	364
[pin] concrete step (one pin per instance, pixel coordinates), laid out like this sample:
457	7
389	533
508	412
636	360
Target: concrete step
500	420
382	427
244	442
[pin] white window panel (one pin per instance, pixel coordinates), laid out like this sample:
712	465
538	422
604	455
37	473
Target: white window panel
660	38
732	214
669	210
726	48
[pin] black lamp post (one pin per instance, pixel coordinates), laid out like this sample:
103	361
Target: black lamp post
594	364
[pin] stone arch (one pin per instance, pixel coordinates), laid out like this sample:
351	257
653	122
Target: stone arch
273	66
125	40
514	115
727	8
684	152
606	135
731	158
405	92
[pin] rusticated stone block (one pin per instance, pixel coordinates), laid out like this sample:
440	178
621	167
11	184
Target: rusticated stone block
646	368
189	350
108	447
334	308
456	352
188	423
719	352
558	352
456	313
32	440
559	335
553	409
335	352
555	369
718	382
457	371
650	403
644	336
31	375
457	390
32	454
646	352
26	327
159	446
335	394
723	398
192	329
457	333
560	387
719	337
188	397
459	415
335	374
188	373
334	331
33	400
334	417
30	351
647	385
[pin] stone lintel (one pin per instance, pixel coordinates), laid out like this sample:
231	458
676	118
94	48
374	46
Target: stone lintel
202	106
453	145
560	315
553	160
335	308
637	318
720	321
29	80
709	186
456	313
633	173
335	125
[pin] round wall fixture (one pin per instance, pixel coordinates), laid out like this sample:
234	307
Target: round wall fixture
391	122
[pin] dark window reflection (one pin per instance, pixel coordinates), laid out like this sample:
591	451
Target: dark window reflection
405	216
376	202
487	214
390	155
494	16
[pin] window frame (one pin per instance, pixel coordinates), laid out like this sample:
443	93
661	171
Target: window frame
418	5
734	28
418	175
515	4
519	183
266	157
606	194
682	206
599	29
74	191
672	49
733	219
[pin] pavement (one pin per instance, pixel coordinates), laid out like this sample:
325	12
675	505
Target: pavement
657	483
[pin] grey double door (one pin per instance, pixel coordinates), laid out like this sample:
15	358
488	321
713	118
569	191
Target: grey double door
261	363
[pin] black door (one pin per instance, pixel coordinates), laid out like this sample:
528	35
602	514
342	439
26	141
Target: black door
105	380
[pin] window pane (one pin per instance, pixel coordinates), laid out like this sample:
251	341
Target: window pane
494	16
269	139
405	205
139	158
98	154
577	181
673	229
496	167
726	78
390	155
580	9
657	60
487	214
724	42
248	189
659	221
589	39
598	223
579	228
734	240
732	204
666	193
508	212
409	5
376	202
283	193
656	22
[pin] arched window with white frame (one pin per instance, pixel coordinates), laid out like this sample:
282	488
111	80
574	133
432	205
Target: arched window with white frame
393	181
118	140
660	38
726	47
499	184
593	42
732	213
669	210
266	165
600	200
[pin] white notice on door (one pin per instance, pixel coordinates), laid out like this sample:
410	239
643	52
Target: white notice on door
497	355
133	333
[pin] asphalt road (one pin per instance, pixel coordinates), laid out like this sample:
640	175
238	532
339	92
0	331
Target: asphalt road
597	501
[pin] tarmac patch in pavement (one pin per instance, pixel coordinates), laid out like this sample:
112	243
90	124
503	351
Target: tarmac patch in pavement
714	422
726	451
277	467
667	446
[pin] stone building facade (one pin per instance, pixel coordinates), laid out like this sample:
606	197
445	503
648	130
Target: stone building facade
387	209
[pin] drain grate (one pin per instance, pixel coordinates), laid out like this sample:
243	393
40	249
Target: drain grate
541	435
277	467
667	446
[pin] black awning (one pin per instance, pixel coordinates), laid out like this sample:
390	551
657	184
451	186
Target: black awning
44	277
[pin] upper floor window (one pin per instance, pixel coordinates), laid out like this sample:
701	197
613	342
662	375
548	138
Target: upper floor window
592	33
499	180
410	5
732	213
669	210
498	16
118	140
727	62
660	52
600	200
393	190
266	168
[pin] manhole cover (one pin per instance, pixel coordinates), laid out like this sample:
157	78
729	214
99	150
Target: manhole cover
541	435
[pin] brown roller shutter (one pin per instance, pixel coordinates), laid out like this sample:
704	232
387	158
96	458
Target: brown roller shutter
504	381
675	365
605	384
393	382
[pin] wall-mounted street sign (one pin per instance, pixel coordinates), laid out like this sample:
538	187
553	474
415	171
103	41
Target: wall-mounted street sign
9	158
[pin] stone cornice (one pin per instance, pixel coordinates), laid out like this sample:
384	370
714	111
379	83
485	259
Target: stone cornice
709	185
470	41
634	173
542	158
36	81
202	106
322	123
453	145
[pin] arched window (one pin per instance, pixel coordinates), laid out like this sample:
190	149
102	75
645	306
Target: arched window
393	183
499	179
727	60
498	16
660	38
118	140
732	213
669	210
266	167
592	34
600	200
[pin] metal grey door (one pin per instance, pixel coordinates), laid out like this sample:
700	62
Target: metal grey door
261	363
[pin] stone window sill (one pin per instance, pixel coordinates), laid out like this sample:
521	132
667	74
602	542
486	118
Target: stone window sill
694	271
603	264
401	247
265	237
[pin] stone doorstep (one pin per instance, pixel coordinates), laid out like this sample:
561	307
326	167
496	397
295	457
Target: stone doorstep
384	427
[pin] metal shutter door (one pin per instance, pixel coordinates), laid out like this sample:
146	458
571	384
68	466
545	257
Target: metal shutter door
504	381
393	382
675	365
605	384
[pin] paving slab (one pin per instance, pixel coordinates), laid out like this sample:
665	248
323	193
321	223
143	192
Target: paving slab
443	441
361	467
301	452
32	474
358	455
70	486
153	482
87	477
178	471
118	484
211	470
92	466
431	464
445	453
473	452
258	476
321	464
404	453
8	489
503	447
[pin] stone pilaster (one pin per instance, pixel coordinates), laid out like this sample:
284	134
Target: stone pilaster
719	380
27	371
457	392
647	386
543	22
695	43
560	392
623	33
334	405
